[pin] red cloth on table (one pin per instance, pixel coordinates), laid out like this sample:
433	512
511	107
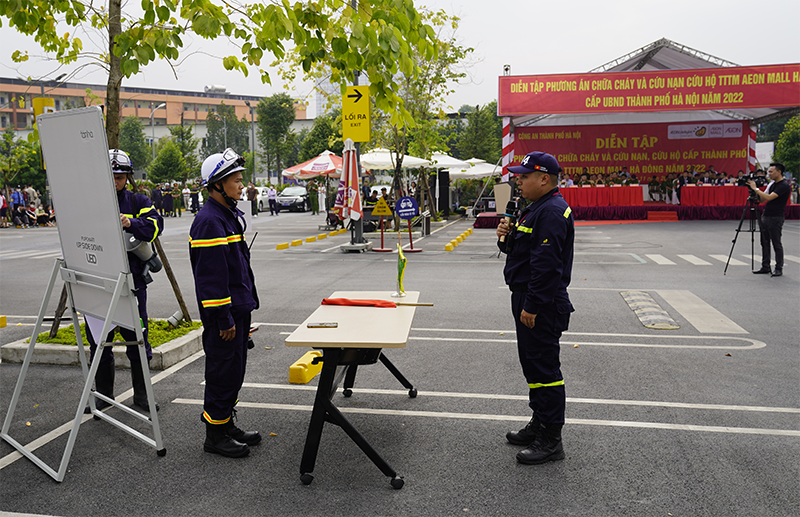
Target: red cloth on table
714	196
603	196
358	303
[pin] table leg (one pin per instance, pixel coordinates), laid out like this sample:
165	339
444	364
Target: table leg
330	360
412	391
350	379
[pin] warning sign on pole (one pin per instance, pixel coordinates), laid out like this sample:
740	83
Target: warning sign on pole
382	208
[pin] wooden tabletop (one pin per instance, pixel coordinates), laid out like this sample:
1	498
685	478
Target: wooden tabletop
358	327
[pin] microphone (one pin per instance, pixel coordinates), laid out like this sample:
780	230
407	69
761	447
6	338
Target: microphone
510	215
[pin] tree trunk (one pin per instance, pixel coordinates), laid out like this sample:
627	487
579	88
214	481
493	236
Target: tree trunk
114	75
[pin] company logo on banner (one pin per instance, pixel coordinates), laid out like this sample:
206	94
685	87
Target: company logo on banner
646	150
690	131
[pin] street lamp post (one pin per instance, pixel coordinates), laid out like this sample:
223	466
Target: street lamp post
252	137
153	128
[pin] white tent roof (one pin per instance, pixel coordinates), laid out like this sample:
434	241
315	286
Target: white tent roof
446	161
380	158
479	170
663	54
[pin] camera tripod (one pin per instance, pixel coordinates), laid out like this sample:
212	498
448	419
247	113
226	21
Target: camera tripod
752	204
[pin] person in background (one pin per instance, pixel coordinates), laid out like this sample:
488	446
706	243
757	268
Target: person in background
194	193
272	197
313	196
771	221
42	218
252	196
156	196
176	196
3	211
187	196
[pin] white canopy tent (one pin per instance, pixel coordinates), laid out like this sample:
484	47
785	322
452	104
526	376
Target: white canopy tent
446	161
380	158
479	170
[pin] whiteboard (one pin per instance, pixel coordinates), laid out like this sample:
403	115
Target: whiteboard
75	151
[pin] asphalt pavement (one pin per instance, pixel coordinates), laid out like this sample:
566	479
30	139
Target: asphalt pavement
702	420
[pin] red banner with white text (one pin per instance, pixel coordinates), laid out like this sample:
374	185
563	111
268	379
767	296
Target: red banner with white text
646	150
768	86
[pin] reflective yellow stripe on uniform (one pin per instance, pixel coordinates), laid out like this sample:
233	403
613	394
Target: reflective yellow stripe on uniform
220	241
129	216
236	238
525	229
548	385
210	420
567	212
144	210
216	303
155	223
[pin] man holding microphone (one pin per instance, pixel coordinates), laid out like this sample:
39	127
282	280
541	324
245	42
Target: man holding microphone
539	249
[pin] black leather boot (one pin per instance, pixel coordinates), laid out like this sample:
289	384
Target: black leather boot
547	447
219	442
139	389
103	383
527	434
248	437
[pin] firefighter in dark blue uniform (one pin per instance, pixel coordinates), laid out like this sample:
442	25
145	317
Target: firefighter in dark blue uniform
539	247
141	220
226	295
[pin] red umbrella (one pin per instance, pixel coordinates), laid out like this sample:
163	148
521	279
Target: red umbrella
348	198
326	164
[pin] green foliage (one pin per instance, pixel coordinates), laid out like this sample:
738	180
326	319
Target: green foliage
770	131
275	117
132	141
169	164
325	134
483	135
787	148
183	136
19	162
225	130
158	333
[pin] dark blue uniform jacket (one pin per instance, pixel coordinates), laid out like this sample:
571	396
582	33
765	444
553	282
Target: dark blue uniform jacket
224	282
540	262
146	225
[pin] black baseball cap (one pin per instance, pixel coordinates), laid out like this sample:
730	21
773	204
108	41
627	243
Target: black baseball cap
537	161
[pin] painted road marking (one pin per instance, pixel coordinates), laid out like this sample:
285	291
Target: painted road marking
648	311
511	418
701	315
694	260
661	260
724	259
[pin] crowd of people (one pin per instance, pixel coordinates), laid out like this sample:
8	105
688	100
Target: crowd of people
23	208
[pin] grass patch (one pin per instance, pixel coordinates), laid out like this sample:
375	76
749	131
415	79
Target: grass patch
160	332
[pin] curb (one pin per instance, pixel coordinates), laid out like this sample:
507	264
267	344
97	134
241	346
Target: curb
164	356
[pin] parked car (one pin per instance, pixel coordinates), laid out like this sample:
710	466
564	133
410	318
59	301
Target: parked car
294	198
262	198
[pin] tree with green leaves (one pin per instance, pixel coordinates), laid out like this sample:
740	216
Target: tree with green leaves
132	141
378	38
324	135
224	130
483	134
275	117
787	148
169	164
19	162
183	136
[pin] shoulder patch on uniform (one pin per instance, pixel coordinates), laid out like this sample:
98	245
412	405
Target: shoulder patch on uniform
567	212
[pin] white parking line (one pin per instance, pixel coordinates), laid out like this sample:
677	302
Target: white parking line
513	418
701	315
661	260
697	261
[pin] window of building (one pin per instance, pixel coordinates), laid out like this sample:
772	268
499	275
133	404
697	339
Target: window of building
3	100
3	122
58	104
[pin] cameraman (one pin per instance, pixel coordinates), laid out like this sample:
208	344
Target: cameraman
771	221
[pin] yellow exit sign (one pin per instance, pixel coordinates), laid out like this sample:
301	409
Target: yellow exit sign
355	114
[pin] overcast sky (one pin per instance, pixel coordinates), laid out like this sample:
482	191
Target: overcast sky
533	37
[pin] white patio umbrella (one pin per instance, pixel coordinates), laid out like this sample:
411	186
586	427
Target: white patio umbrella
480	170
385	159
445	161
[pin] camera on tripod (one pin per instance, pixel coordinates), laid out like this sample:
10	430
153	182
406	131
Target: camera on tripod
760	181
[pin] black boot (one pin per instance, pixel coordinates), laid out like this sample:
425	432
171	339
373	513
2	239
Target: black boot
139	389
527	435
248	437
547	447
104	383
219	442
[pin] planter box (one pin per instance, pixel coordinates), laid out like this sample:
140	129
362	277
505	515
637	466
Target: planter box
164	356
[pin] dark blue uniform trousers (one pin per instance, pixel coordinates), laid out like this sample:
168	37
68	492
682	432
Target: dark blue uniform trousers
128	335
538	354
225	367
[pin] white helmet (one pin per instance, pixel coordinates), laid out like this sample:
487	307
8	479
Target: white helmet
220	165
120	162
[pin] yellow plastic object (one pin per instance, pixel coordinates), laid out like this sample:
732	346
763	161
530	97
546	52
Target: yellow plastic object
448	247
298	242
334	233
342	230
460	239
302	371
322	236
454	243
311	239
282	246
3	321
